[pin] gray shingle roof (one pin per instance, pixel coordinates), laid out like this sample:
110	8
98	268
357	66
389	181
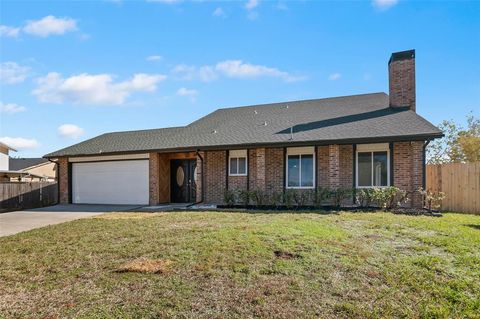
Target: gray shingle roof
342	119
18	164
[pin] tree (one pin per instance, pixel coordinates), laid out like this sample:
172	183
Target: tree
458	145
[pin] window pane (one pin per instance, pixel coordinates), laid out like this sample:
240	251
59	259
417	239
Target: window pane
242	165
293	170
380	169
307	170
365	169
233	166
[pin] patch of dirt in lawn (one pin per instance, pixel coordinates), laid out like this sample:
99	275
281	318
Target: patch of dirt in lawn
113	216
143	265
286	255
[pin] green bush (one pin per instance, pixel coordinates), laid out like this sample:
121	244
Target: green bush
389	197
244	197
276	199
322	194
229	198
433	200
339	194
302	197
288	198
364	197
259	197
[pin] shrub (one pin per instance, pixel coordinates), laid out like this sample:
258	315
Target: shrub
364	197
244	197
433	200
339	194
277	199
288	198
259	197
389	197
321	195
302	197
229	198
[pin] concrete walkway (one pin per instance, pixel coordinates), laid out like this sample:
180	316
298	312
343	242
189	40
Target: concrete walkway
19	221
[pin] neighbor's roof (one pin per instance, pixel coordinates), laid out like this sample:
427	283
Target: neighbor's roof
7	147
348	119
18	164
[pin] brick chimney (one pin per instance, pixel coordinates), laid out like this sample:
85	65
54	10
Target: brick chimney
401	77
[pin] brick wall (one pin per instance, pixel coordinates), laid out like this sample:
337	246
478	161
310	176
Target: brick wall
63	180
198	178
322	166
274	170
334	165
401	75
252	169
153	180
346	166
408	168
334	169
215	179
236	183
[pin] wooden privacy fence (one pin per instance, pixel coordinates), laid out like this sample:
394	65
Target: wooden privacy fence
461	184
27	195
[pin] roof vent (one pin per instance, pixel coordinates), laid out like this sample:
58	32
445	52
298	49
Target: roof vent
255	111
264	123
214	132
286	106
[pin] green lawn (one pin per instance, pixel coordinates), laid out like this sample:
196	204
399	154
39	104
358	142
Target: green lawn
227	265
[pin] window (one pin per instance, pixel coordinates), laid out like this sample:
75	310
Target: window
373	165
237	163
301	167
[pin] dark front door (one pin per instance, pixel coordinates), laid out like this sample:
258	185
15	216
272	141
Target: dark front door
182	180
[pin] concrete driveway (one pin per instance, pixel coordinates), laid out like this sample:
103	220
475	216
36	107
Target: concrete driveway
19	221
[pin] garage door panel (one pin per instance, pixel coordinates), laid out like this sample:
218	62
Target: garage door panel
112	182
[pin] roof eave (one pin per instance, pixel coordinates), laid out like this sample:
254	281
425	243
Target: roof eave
381	139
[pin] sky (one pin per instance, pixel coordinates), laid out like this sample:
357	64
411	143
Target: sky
72	70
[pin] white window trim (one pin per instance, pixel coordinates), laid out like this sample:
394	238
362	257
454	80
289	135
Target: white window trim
237	154
309	150
371	148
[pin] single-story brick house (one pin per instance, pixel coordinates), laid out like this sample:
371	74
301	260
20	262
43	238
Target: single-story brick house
350	141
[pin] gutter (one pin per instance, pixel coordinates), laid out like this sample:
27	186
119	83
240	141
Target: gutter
202	182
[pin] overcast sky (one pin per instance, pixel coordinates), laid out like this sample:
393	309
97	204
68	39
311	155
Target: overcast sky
73	70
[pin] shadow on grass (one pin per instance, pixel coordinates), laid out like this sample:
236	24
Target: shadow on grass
477	227
263	211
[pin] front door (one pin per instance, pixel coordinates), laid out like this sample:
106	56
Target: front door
182	180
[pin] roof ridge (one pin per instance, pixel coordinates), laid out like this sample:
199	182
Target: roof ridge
296	101
144	130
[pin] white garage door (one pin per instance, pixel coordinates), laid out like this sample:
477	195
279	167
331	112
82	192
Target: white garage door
113	182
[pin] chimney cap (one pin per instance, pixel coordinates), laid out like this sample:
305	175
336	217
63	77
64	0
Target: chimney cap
402	55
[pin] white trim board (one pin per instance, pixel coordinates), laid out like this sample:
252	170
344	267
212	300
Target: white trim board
108	158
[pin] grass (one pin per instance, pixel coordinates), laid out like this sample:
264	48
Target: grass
237	265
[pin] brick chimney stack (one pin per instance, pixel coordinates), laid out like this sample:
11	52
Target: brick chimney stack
401	76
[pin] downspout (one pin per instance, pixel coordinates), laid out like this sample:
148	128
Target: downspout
58	180
202	182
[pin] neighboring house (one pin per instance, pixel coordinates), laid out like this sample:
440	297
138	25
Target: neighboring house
34	168
351	141
4	155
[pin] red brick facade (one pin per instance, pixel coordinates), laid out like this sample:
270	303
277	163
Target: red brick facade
274	170
63	180
215	176
266	171
408	168
401	74
154	188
